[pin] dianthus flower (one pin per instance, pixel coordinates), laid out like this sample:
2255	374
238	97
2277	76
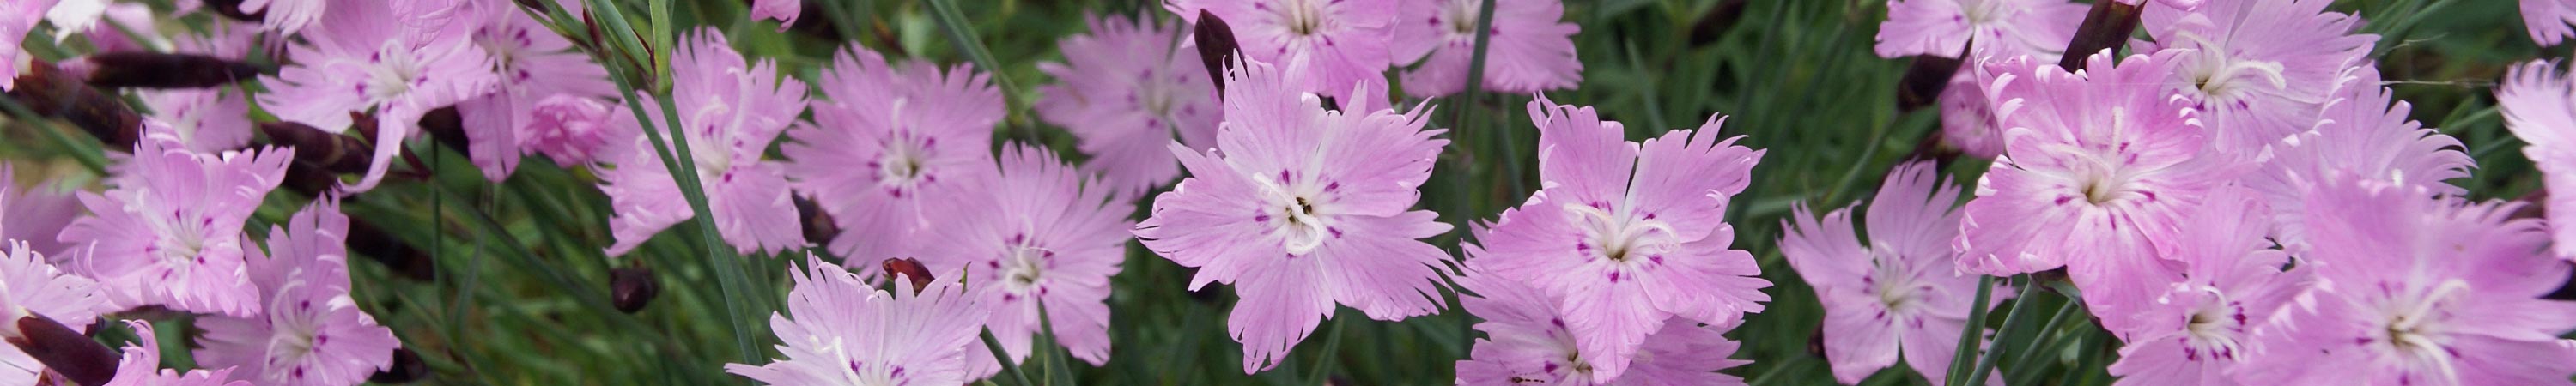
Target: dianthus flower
1629	234
30	286
1526	341
2549	20
533	64
889	146
1530	51
141	365
313	333
2539	106
1999	28
2362	134
392	58
1327	46
1040	232
35	215
1127	93
1301	208
846	332
2200	329
784	11
16	18
730	111
2258	70
172	233
1897	294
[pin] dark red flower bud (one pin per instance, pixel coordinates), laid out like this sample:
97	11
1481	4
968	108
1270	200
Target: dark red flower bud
53	93
632	287
158	70
911	269
2107	26
1924	80
323	150
407	367
232	9
1217	47
818	223
447	127
64	350
368	240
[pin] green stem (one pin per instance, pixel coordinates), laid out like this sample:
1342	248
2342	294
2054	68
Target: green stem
728	268
1332	344
1474	93
1004	357
953	23
1960	362
1056	364
2046	340
2013	321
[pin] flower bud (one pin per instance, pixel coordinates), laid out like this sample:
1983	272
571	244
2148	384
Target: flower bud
569	129
407	367
910	269
157	70
49	91
323	150
2107	26
632	287
1216	47
818	224
367	239
63	350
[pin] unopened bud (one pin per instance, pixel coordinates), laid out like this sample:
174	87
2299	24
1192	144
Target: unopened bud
49	91
1217	47
1924	80
911	269
447	126
407	367
1714	23
2106	27
64	350
818	224
632	287
329	152
158	70
367	239
232	9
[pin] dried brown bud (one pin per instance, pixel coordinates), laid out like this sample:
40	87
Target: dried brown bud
632	287
911	269
1217	47
158	70
818	223
323	150
53	93
2107	26
407	367
64	350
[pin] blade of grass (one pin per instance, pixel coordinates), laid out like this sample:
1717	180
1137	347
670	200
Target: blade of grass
2013	321
1004	357
1332	344
1967	355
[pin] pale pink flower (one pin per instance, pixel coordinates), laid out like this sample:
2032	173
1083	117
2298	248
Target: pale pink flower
2420	291
35	214
1526	342
784	11
2549	20
2539	106
2000	28
2258	70
393	58
577	130
16	18
533	64
313	333
73	17
2202	328
289	16
206	120
889	146
1897	294
2361	133
172	233
1301	208
1126	92
1326	46
141	365
847	332
1629	234
1041	232
2098	169
30	286
134	16
730	112
1529	49
2186	5
1968	118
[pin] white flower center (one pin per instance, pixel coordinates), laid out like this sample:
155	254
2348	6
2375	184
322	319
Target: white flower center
1460	17
1296	212
1300	17
2414	328
391	73
2222	79
1621	236
2216	323
1024	269
1894	281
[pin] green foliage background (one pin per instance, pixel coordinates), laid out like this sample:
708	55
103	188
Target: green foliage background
520	295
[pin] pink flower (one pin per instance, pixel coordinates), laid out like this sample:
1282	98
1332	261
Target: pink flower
2360	134
172	233
888	144
2001	28
847	332
1039	232
35	215
141	365
288	16
1526	342
1327	46
1301	208
533	64
2420	291
205	120
30	286
1968	118
730	112
2185	5
2202	328
1127	93
16	18
785	11
394	58
2539	105
1530	51
313	333
2098	169
577	130
1897	293
2258	70
2549	20
1629	234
